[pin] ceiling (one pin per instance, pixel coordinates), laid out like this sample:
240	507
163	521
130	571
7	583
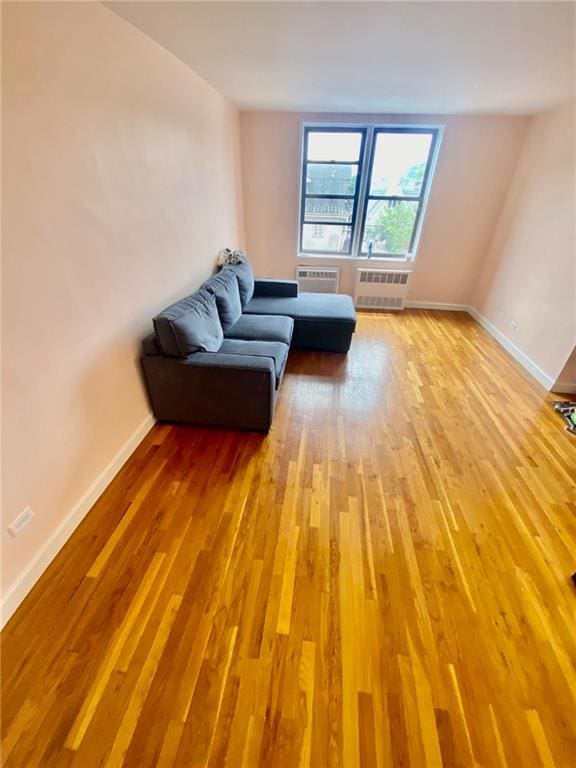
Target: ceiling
387	57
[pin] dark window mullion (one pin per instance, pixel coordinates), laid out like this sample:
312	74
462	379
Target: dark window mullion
331	162
303	190
361	166
327	196
367	169
328	199
326	253
399	198
405	129
329	223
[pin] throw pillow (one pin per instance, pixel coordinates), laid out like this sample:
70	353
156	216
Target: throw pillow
245	277
190	325
224	287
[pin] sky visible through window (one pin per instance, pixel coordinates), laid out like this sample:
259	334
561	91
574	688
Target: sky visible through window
341	147
396	155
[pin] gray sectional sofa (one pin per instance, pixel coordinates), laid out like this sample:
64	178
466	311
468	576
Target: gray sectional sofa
218	356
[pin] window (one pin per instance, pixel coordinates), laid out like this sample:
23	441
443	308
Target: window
364	189
332	161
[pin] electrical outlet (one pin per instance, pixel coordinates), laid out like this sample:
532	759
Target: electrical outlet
513	324
21	521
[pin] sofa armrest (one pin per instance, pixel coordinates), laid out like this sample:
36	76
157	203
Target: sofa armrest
150	345
212	388
275	288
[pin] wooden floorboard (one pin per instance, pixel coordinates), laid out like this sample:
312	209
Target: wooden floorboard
383	580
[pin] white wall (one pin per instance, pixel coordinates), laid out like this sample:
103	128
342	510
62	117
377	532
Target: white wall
475	166
529	274
121	182
566	379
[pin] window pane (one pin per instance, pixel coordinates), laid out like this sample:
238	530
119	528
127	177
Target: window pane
328	209
399	163
329	145
331	179
333	238
389	226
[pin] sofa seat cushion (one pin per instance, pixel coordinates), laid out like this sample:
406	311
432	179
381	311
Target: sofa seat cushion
224	287
262	328
245	277
190	325
335	307
274	350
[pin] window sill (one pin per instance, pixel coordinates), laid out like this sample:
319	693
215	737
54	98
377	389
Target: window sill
335	257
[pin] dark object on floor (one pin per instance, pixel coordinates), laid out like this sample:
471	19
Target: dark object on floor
567	409
574	578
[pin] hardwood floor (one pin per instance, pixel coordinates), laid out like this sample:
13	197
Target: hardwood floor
383	580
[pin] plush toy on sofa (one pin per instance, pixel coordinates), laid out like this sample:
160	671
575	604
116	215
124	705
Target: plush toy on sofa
228	256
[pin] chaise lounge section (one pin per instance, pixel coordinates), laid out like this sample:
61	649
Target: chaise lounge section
322	321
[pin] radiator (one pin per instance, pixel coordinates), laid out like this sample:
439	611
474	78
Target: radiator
318	280
381	288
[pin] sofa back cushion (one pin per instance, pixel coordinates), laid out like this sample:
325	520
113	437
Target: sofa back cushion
245	277
224	287
190	325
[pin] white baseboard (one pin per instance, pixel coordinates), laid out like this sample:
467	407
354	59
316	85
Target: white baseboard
436	305
24	582
504	341
565	387
516	352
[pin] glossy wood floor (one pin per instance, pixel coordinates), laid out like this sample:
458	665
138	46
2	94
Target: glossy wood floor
381	581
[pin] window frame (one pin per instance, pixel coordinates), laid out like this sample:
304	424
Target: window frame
362	196
362	130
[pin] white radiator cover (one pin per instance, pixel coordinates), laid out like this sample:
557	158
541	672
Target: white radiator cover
381	288
318	279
